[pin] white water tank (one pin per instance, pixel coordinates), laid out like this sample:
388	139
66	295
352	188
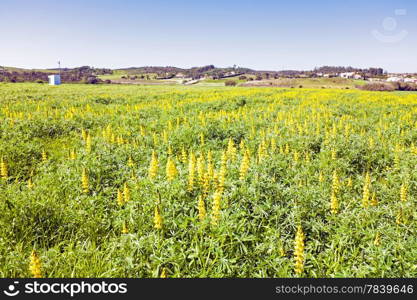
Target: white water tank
54	79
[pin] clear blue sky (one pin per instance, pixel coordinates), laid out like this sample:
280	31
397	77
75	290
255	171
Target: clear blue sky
261	34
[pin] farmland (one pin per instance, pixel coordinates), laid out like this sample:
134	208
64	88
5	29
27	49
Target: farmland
175	181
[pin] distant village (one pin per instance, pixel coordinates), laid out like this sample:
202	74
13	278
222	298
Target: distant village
388	77
375	78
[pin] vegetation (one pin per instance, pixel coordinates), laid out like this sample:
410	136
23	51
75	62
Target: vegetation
82	74
131	181
389	86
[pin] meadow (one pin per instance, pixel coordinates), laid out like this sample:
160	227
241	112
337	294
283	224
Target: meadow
158	181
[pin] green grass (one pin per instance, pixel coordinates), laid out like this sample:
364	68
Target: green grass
295	137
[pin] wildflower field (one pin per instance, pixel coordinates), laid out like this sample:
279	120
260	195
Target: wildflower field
130	181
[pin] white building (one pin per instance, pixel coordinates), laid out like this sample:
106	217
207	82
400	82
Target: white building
410	80
395	79
54	79
347	75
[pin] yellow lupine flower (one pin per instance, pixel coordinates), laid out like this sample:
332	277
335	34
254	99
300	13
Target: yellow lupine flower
191	171
201	208
130	162
335	183
334	203
73	154
377	240
4	170
403	192
321	177
153	167
171	170
88	143
299	251
215	214
374	200
158	221
125	230
30	183
164	273
85	181
35	265
231	150
126	193
120	199
244	166
184	156
44	155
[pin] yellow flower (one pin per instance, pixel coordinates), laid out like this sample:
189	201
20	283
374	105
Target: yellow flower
184	156
171	170
334	203
334	154
299	251
281	251
200	169
321	177
221	179
403	192
374	200
158	221
215	215
30	183
399	217
202	142
73	155
335	183
191	171
4	171
244	166
88	143
44	155
201	208
85	182
164	273
231	150
377	240
125	230
120	199
153	168
126	193
130	162
35	265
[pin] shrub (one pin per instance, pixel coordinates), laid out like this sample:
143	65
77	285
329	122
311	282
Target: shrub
378	86
230	83
402	86
91	80
242	77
